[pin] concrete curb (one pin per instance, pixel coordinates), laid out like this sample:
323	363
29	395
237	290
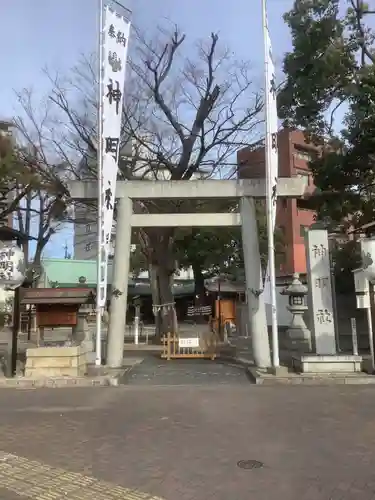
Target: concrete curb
260	378
110	380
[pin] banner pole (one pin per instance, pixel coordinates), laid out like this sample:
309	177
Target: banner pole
99	308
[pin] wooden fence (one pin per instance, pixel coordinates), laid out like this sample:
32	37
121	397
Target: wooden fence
176	347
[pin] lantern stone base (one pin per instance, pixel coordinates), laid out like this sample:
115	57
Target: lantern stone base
340	363
56	362
298	339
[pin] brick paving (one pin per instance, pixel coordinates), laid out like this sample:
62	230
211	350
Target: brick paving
32	479
183	443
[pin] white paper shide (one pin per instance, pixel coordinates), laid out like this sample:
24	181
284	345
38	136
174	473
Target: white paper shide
115	47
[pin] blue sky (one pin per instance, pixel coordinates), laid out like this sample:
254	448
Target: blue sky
54	33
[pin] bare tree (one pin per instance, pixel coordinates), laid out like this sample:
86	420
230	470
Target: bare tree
14	173
41	209
191	116
36	218
182	117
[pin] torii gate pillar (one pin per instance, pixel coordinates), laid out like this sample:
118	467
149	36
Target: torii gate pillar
256	307
119	295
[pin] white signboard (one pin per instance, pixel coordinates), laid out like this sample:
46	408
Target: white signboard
12	267
362	289
115	49
192	342
320	291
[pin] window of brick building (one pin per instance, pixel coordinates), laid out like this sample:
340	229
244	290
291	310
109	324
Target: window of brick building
304	205
304	175
280	260
304	154
302	230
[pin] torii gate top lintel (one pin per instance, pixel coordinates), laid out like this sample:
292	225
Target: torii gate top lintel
287	187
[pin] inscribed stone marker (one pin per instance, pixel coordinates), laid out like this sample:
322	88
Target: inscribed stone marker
320	291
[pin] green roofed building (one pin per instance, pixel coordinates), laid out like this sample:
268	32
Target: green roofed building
63	273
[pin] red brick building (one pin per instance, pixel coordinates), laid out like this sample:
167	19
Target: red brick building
293	216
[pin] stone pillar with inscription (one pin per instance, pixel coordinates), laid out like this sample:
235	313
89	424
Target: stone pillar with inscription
320	292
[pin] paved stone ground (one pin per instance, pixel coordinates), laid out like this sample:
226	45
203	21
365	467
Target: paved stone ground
155	371
32	479
183	443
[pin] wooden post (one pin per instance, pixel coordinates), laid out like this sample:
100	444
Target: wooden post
168	346
15	329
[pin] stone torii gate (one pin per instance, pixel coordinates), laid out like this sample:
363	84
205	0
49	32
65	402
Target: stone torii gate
244	190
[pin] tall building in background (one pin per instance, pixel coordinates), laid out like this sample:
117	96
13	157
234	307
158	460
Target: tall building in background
293	215
6	128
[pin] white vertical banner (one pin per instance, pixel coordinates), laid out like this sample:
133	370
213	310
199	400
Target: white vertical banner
271	153
116	32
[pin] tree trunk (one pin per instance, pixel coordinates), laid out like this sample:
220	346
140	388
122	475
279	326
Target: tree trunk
161	289
163	260
27	227
158	246
24	224
38	253
154	284
199	289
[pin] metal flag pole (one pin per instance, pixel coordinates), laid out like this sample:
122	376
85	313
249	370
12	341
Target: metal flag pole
269	192
99	308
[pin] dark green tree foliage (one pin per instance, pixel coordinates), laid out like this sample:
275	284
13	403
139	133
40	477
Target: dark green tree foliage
346	257
329	91
209	252
330	85
320	66
214	251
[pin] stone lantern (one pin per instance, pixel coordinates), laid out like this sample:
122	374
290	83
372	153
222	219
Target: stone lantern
298	335
82	333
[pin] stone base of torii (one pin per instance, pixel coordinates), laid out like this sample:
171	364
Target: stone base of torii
246	191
